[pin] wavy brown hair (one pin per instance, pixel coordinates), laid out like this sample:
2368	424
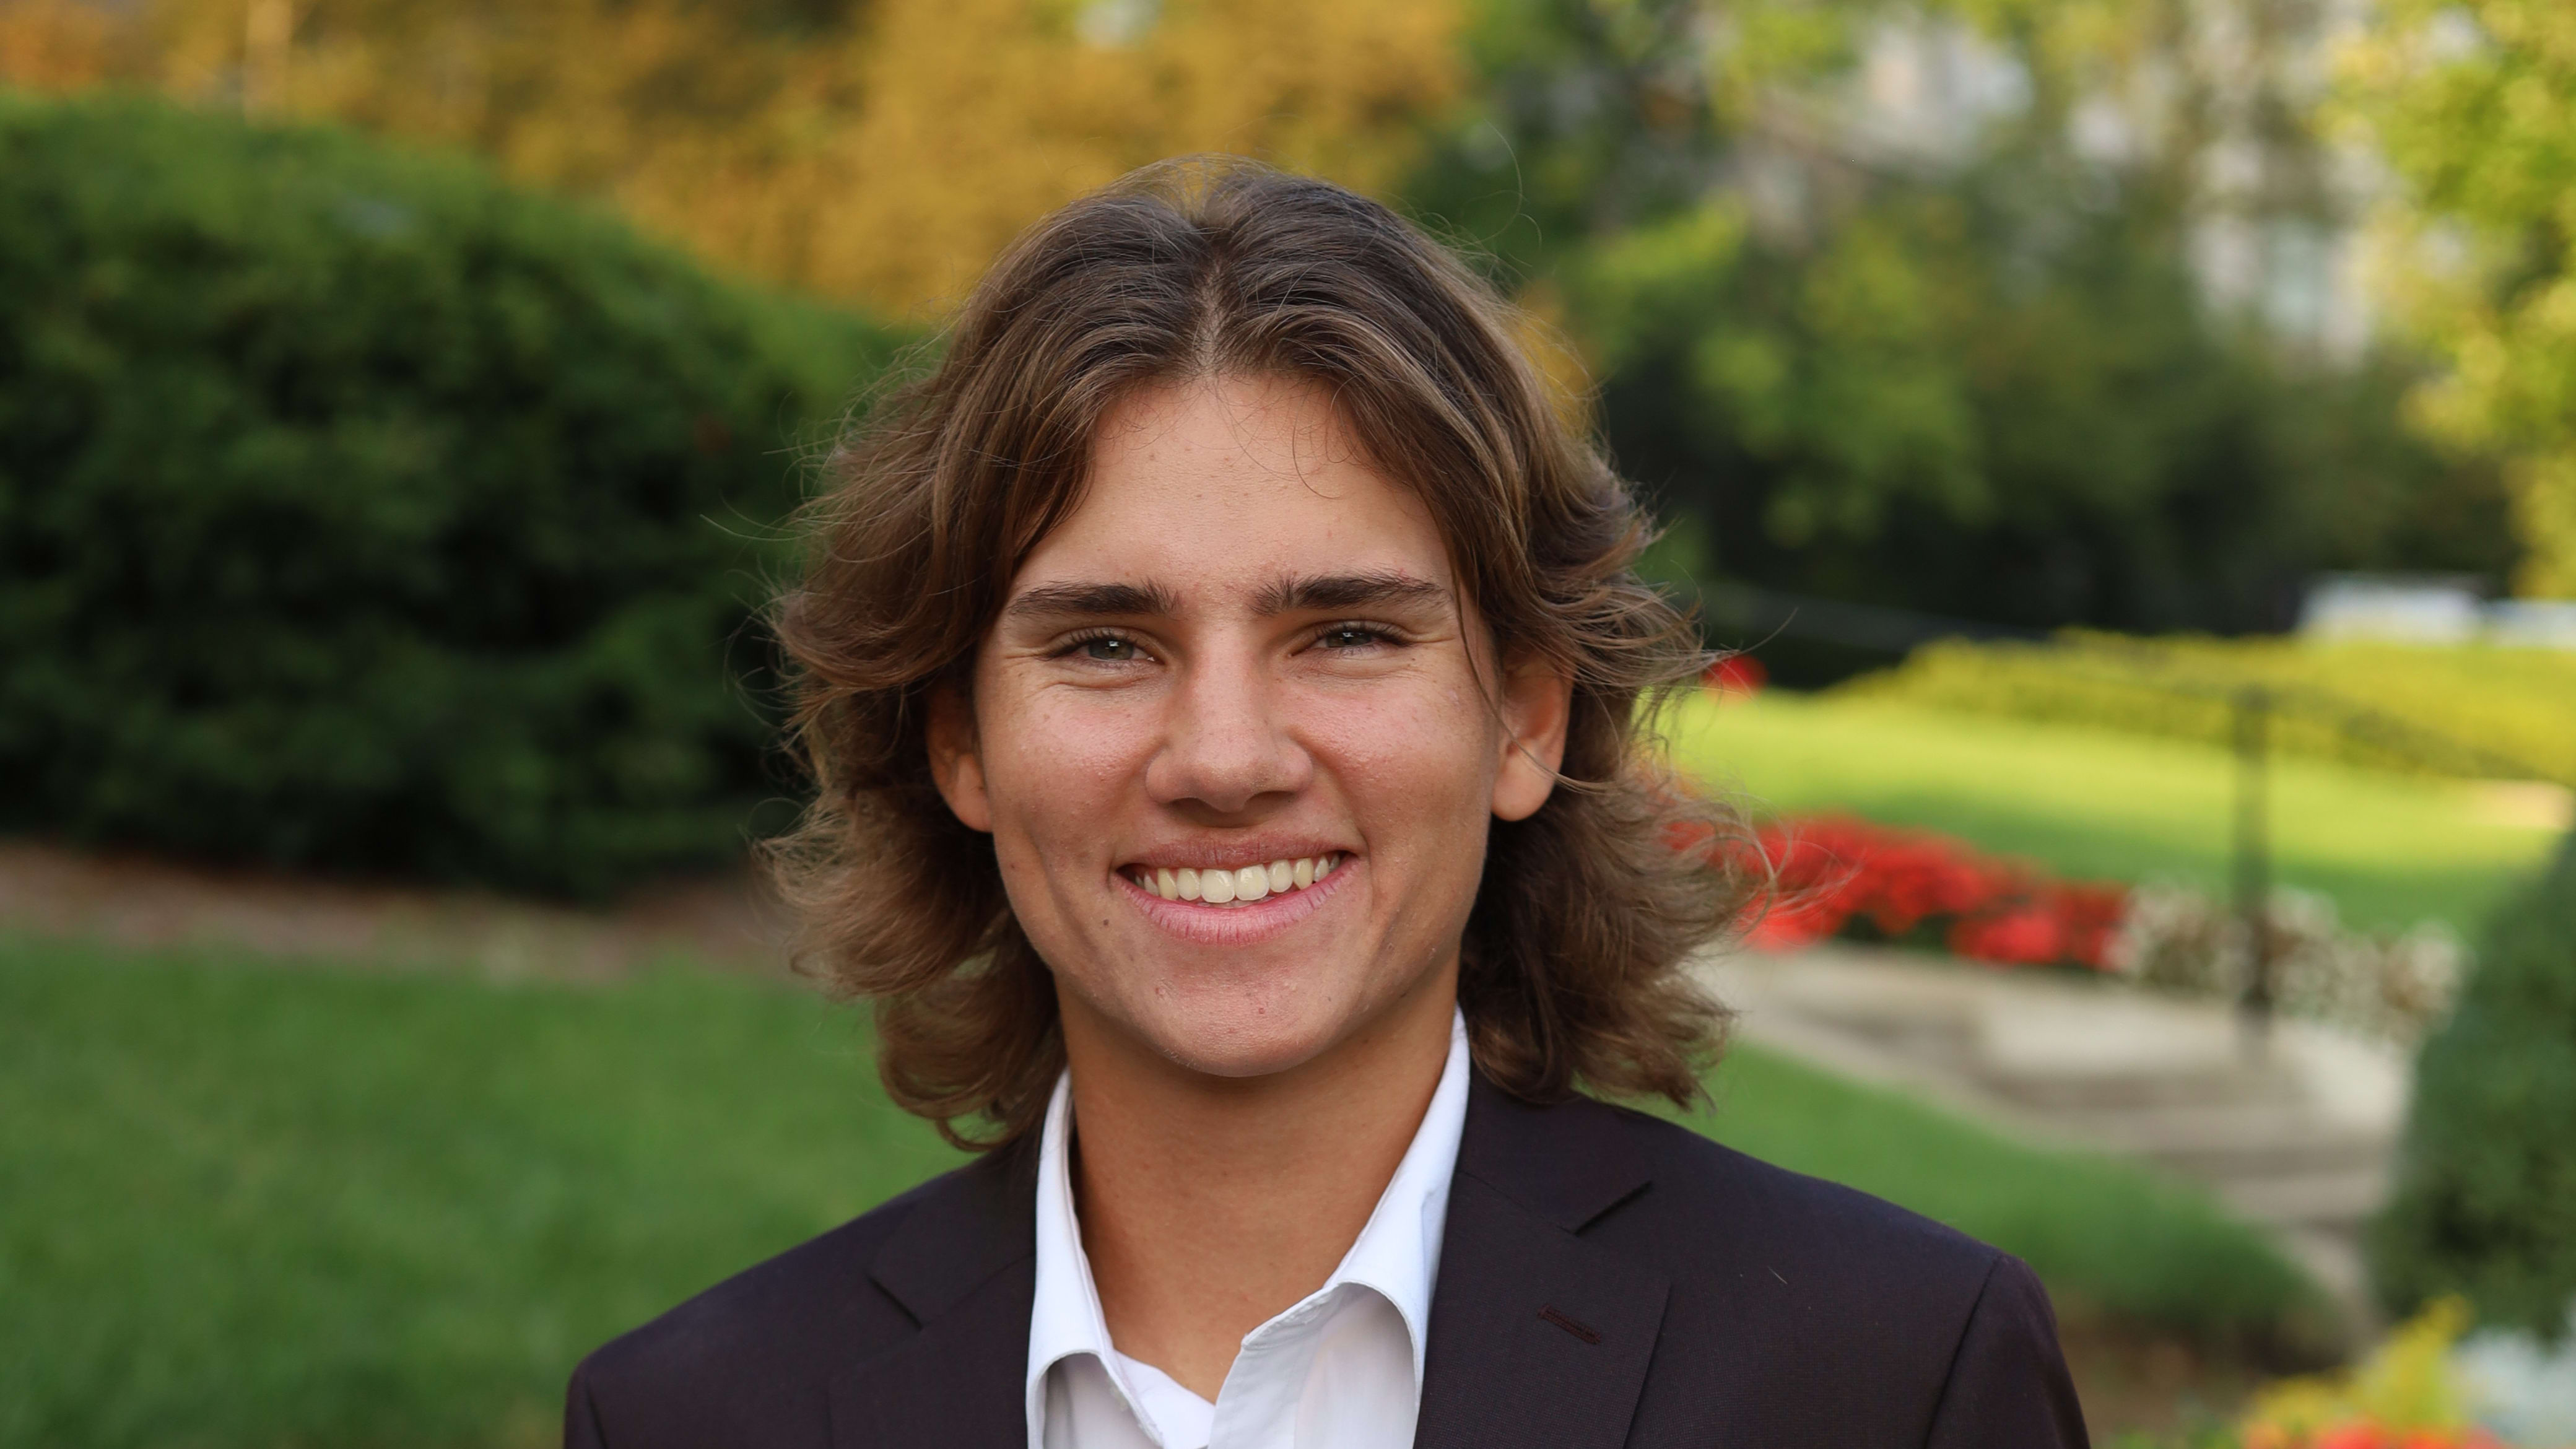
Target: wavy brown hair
1573	968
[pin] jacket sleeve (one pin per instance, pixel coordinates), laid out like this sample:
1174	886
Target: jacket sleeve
581	1416
2008	1387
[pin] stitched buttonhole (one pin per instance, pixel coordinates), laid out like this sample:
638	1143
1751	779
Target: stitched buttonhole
1569	1325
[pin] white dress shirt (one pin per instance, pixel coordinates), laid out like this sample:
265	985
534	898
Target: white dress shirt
1342	1368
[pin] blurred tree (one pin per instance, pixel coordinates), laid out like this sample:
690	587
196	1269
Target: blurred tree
2474	106
60	45
1971	400
1976	306
647	102
982	115
881	150
357	511
1966	307
2485	1199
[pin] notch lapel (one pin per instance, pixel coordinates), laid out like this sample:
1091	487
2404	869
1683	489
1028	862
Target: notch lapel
964	1265
1538	1338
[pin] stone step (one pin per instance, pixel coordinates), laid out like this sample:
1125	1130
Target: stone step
1930	1038
2117	1091
2221	1141
2344	1199
2332	1255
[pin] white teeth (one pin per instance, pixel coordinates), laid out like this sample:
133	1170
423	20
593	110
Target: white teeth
1224	887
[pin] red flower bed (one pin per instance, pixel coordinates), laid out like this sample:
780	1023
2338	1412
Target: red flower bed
1737	674
2372	1436
1839	876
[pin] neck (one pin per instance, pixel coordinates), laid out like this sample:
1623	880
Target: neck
1211	1204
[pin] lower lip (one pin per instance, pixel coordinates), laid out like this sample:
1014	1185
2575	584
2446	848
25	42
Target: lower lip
1236	925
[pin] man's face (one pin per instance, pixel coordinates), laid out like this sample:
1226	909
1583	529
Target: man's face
1235	740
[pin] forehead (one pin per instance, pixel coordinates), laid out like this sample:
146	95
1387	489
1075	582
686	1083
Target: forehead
1213	489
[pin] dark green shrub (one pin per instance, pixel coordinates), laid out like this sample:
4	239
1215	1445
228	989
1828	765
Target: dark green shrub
359	512
2486	1192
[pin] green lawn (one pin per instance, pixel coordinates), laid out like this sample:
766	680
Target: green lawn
2389	849
244	1204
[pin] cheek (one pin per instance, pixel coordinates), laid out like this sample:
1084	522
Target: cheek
1414	758
1056	768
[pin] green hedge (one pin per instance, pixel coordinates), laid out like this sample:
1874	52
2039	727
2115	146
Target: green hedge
2456	710
358	512
2486	1192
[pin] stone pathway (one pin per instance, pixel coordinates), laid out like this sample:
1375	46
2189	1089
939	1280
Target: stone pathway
2296	1136
140	900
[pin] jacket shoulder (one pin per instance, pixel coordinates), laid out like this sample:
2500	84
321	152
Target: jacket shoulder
1776	1215
1796	1282
750	1354
1780	1294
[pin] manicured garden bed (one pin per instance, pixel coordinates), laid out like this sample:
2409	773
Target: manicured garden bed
253	1204
2476	710
2098	804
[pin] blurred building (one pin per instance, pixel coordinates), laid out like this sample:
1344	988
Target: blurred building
2430	609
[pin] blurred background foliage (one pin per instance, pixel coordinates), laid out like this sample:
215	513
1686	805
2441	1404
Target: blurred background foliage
2485	1205
2472	712
1970	356
358	511
2023	313
2474	106
1999	309
876	151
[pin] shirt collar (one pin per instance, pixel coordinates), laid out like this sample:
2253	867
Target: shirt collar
1397	1253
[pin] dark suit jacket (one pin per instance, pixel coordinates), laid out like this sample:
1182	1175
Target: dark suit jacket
1605	1279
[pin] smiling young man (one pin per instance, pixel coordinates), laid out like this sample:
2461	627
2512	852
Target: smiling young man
1222	674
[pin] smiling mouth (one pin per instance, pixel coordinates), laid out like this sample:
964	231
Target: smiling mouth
1216	886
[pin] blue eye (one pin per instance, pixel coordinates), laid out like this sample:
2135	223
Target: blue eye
1109	650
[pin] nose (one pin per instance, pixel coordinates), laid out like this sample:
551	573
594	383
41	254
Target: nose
1227	749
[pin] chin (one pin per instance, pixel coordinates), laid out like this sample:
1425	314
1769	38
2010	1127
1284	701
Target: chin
1243	1038
1237	1028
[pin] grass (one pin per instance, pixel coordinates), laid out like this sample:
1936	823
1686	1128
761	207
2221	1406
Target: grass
247	1204
2390	850
2470	709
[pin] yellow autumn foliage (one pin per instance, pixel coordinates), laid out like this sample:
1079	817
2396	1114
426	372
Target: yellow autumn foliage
2472	104
984	114
2405	1385
881	153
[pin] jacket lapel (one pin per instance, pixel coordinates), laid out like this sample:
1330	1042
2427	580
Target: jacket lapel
963	1264
1538	1337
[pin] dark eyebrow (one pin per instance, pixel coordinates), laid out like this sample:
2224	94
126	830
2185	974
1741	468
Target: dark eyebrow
1327	593
1084	601
1315	594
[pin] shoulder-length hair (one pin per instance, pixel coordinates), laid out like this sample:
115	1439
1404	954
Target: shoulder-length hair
1574	964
